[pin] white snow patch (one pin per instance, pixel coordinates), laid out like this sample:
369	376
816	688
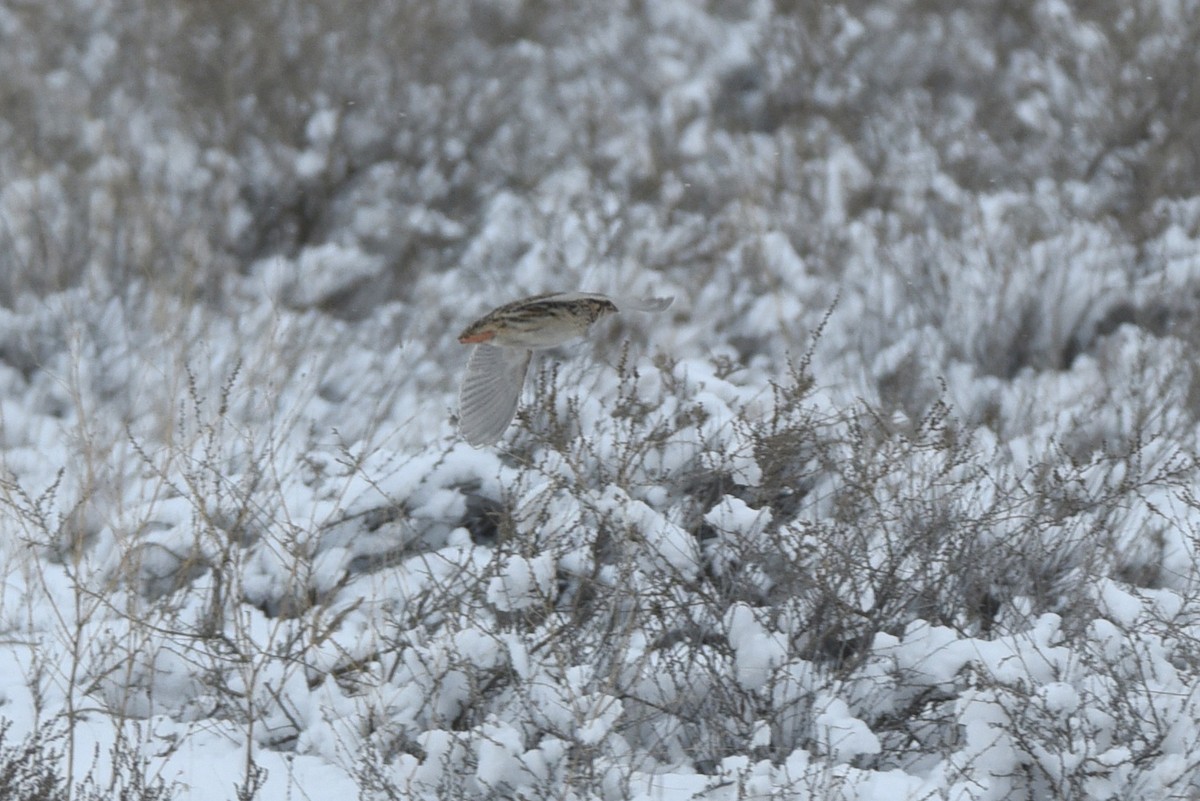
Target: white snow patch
522	583
841	735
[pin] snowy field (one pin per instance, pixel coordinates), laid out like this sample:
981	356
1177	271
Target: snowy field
897	501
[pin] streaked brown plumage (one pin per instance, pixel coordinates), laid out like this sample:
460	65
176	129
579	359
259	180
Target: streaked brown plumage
504	341
541	321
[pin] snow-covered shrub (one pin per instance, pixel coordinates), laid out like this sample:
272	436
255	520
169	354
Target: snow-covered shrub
896	501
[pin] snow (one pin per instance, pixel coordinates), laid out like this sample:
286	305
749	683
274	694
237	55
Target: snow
840	735
896	500
319	273
757	651
522	583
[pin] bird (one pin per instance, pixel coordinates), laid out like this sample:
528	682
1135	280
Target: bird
505	339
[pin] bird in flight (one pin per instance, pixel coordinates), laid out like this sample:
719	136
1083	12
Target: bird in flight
505	339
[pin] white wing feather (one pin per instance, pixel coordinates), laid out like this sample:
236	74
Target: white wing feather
490	392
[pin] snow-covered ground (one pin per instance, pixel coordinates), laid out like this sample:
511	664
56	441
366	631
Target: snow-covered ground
897	501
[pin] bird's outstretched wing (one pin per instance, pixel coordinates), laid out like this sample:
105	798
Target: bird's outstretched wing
490	392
